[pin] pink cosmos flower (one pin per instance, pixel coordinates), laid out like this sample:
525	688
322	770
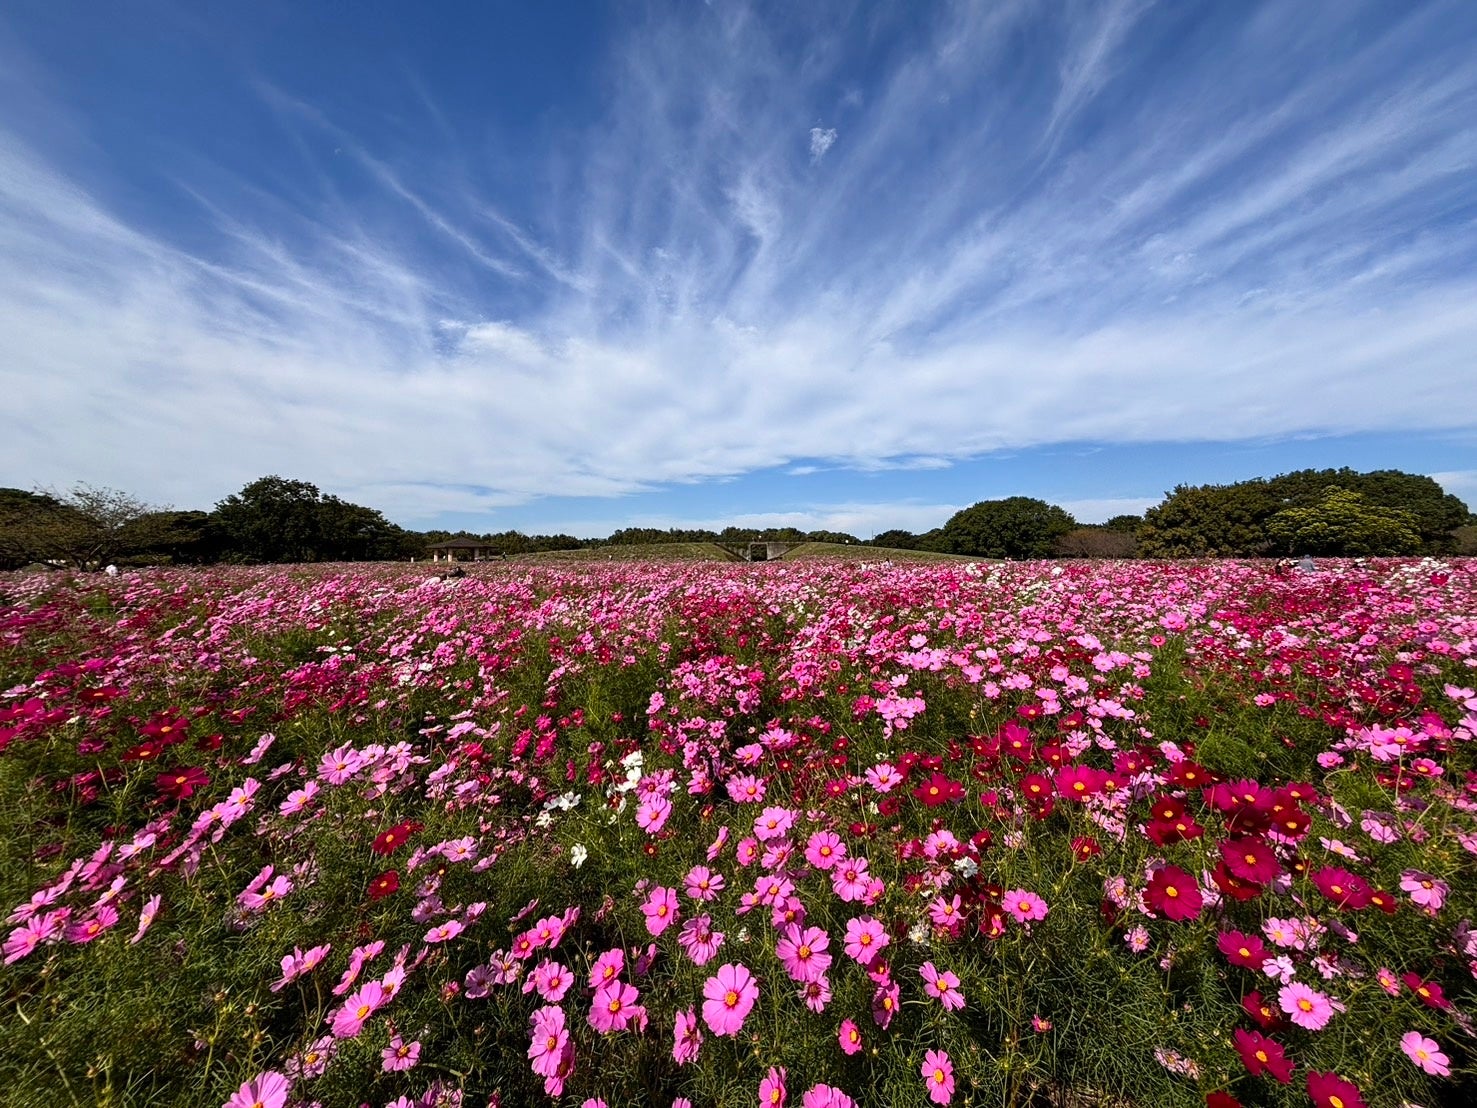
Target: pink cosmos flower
551	979
146	917
938	1075
445	932
661	909
1306	1007
1425	890
745	788
865	938
850	880
772	1091
1425	1053
849	1037
885	1002
884	777
824	849
803	953
826	1096
699	940
264	890
729	995
348	1021
652	816
24	939
93	925
265	1090
550	1041
816	994
1025	905
312	1062
773	823
607	967
703	884
942	986
613	1007
687	1037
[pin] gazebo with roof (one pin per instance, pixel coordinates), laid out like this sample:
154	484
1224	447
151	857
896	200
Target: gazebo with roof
462	550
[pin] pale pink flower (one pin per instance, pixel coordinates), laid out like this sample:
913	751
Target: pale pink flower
944	987
614	1007
1425	1053
699	940
1306	1007
265	1090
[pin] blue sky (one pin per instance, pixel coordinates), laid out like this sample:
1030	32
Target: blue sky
571	267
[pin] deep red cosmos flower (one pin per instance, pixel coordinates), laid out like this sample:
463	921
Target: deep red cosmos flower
1173	893
1329	1090
1251	859
1242	950
1233	886
1342	888
1260	1055
383	885
939	789
1430	992
1265	1014
181	782
387	842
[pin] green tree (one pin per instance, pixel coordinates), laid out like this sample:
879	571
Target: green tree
1344	524
896	539
86	527
1206	521
1016	527
1096	542
272	519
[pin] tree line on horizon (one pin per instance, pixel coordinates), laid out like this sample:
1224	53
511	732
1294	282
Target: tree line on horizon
1324	513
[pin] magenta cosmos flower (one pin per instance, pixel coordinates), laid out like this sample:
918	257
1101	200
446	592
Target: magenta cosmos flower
1425	1053
614	1007
938	1074
265	1090
865	938
826	1096
687	1038
803	953
348	1021
944	987
729	995
1025	905
772	1091
660	909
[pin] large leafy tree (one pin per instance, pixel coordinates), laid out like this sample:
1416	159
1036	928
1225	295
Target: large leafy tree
1230	520
1344	524
86	527
1207	521
1016	527
274	519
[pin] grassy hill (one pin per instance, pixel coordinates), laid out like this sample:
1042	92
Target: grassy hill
643	552
860	553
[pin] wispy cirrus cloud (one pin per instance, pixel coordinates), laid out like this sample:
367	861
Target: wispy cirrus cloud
1263	237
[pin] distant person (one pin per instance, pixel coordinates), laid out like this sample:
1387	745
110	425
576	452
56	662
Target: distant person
1305	564
111	570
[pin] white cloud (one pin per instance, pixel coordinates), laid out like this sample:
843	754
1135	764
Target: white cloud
821	140
693	303
1461	483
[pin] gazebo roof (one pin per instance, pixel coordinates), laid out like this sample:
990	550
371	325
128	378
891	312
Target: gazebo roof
460	544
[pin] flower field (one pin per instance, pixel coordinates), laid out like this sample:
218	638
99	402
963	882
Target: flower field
820	834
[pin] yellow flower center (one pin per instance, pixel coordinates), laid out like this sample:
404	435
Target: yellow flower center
1336	1102
731	998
